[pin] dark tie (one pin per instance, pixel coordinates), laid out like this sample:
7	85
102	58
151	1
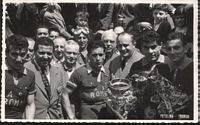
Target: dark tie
175	72
123	63
46	83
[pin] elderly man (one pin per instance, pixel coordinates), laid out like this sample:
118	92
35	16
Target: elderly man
58	55
109	38
50	81
179	69
120	65
19	81
31	44
91	80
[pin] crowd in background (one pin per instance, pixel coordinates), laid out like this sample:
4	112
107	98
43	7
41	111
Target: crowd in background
61	56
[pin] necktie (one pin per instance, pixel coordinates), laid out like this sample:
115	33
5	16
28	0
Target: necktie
123	63
46	83
175	75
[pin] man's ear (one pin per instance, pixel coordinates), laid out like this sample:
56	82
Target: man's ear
76	19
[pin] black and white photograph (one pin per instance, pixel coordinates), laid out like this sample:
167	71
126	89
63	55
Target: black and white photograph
96	61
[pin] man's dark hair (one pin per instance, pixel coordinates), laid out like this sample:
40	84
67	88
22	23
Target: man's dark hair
94	45
178	35
148	37
43	41
41	26
16	41
53	28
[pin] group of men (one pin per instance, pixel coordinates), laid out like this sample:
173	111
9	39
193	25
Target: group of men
54	78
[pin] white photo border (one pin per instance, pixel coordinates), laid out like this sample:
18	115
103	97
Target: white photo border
195	60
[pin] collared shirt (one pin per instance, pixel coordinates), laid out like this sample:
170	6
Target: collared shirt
15	74
47	72
182	66
82	59
99	74
55	61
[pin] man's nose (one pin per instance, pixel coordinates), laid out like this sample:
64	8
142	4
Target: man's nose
108	42
19	59
123	48
150	50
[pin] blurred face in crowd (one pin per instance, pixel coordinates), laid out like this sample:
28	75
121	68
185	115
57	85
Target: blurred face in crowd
125	45
71	53
109	40
81	21
59	44
82	41
96	58
30	54
159	15
176	50
16	57
151	50
42	32
43	55
53	34
179	20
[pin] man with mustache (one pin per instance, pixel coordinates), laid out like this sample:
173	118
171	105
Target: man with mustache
58	56
120	65
90	80
49	79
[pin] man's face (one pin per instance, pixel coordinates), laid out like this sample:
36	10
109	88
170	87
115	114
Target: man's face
30	54
16	57
125	46
179	20
53	35
43	55
151	50
81	21
96	58
175	50
59	45
159	15
110	42
71	53
82	41
42	32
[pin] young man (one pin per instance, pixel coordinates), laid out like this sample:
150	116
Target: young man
179	69
58	50
19	81
149	45
82	39
50	81
120	66
53	33
90	79
109	38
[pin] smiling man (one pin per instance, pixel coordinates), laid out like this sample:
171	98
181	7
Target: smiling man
49	81
179	69
150	45
19	81
58	51
120	66
90	93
